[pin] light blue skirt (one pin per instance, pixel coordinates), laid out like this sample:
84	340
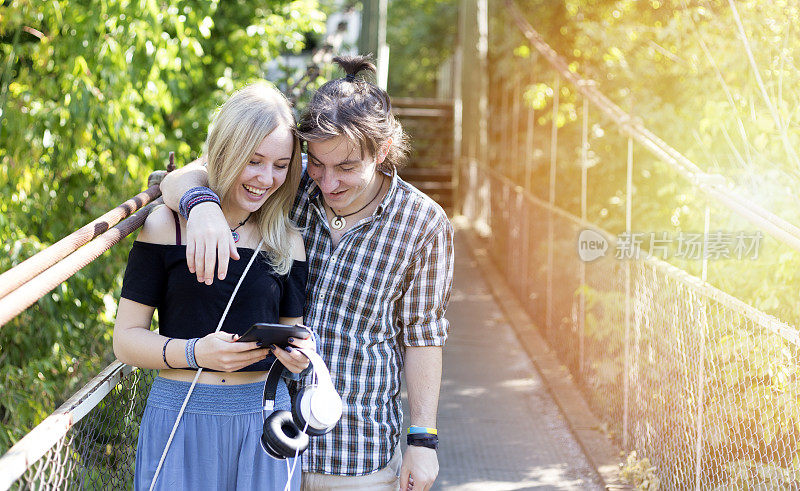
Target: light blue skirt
217	444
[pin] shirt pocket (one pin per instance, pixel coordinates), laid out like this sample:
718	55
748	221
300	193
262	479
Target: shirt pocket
364	301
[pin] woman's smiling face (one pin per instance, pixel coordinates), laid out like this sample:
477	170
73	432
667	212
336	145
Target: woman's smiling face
264	173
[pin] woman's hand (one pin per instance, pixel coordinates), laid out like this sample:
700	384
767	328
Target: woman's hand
292	359
209	242
220	351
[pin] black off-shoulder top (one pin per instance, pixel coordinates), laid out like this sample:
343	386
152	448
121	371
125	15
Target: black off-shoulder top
157	275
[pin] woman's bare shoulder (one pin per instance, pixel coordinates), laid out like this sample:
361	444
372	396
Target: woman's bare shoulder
159	228
298	247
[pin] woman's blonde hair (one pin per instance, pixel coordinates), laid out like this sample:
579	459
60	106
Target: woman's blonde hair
238	129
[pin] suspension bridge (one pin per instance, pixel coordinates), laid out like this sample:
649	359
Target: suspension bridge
579	357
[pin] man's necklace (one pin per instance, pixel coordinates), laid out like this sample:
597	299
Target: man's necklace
338	222
234	230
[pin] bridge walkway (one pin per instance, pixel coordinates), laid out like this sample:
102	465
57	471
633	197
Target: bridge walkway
500	428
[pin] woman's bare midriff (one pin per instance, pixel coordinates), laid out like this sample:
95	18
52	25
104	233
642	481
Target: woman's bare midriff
214	378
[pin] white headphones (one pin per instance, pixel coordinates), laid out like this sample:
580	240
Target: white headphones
315	410
318	405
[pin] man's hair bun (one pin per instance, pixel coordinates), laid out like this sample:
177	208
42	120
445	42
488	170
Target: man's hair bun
351	65
357	109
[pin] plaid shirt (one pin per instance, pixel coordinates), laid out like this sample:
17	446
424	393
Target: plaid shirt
385	286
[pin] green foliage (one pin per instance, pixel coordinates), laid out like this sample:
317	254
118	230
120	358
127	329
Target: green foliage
640	473
682	68
751	414
94	94
421	35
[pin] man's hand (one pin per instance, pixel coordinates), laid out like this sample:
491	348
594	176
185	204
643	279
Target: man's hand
208	237
208	242
419	470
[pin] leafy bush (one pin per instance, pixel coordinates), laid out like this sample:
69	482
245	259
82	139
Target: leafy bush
94	94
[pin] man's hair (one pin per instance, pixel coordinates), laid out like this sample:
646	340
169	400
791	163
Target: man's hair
238	129
357	109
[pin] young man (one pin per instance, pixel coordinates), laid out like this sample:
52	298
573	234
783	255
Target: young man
380	271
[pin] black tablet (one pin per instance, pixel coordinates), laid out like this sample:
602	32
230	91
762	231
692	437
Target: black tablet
277	334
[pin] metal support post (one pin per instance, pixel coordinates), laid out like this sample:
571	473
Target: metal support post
626	371
701	369
550	224
528	150
507	126
529	142
515	146
581	264
516	163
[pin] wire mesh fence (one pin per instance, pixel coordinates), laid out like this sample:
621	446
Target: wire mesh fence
98	451
699	389
702	386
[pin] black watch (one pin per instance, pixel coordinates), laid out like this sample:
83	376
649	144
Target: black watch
423	440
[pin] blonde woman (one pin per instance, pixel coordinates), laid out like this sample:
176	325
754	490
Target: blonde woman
254	167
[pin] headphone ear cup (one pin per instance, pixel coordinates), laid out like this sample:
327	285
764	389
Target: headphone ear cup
266	441
281	438
297	412
268	448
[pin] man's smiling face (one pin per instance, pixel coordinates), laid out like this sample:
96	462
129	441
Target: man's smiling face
342	174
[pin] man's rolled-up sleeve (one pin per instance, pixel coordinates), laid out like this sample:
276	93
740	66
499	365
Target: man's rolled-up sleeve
429	279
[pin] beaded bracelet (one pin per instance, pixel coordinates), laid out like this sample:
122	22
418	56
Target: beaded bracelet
189	352
194	197
164	353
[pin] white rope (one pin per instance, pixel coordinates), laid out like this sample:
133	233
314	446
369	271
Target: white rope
290	472
200	370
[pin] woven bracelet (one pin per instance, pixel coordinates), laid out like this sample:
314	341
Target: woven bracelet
195	192
194	197
186	353
189	352
195	365
194	355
